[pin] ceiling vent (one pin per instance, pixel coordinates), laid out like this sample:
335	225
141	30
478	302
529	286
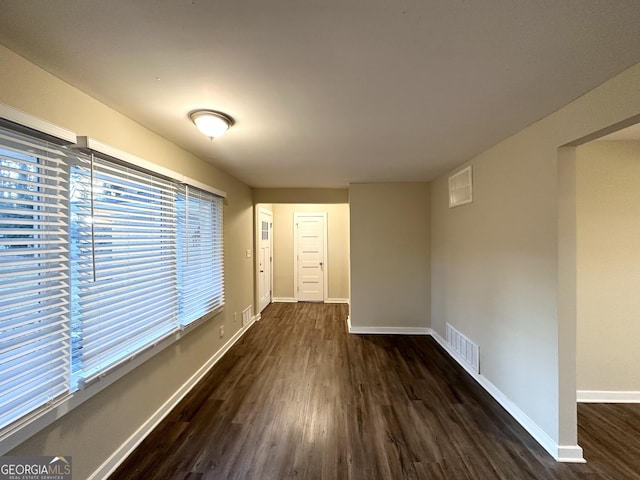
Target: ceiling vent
460	188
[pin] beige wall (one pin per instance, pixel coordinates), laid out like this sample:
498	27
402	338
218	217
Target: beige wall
390	255
94	430
608	259
495	267
337	248
301	195
493	274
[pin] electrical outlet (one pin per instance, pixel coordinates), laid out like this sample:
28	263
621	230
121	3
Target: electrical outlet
221	331
235	317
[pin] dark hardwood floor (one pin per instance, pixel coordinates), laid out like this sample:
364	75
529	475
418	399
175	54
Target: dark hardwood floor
298	397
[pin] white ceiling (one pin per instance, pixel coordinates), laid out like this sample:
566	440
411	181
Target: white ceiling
331	92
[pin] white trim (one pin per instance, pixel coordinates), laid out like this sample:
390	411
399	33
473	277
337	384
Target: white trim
325	257
258	240
122	452
387	330
336	300
284	300
570	454
21	118
561	453
96	146
608	396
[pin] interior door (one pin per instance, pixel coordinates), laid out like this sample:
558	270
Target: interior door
265	258
310	236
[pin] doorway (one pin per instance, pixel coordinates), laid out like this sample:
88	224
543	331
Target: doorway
310	241
586	193
608	266
265	257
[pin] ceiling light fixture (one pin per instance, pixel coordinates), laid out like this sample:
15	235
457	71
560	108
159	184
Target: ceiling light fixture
211	123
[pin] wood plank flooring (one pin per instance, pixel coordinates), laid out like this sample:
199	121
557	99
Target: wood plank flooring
299	397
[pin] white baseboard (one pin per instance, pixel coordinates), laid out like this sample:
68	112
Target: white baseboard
387	330
295	300
122	452
336	300
561	453
256	318
570	454
607	396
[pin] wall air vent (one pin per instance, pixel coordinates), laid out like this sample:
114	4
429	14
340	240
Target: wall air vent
464	348
247	315
460	188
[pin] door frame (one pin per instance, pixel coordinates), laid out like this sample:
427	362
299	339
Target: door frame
325	263
263	210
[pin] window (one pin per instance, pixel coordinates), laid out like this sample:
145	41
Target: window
99	261
200	266
123	264
34	331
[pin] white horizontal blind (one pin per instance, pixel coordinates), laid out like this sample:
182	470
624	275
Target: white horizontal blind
34	289
98	262
200	253
123	241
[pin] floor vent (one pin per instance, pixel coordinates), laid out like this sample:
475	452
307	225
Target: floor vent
247	314
468	351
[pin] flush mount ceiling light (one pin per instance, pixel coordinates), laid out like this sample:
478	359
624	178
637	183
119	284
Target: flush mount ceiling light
211	123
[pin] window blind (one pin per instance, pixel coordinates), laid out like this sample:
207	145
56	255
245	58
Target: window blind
124	262
34	321
99	261
200	254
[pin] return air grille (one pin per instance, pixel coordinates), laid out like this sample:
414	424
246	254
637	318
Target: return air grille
460	188
466	350
247	314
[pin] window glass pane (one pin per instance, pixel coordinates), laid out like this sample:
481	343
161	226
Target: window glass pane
123	264
34	344
200	266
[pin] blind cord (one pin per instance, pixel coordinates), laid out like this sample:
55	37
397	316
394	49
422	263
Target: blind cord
93	231
186	221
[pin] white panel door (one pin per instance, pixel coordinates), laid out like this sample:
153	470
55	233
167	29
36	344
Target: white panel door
310	237
265	224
